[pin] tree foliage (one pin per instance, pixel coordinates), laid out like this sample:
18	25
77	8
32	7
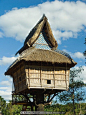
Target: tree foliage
75	92
8	108
75	88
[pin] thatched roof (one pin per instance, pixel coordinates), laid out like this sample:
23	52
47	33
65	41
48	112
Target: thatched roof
28	53
41	55
35	32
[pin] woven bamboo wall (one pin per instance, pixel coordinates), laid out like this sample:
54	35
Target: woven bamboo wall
40	77
19	79
47	77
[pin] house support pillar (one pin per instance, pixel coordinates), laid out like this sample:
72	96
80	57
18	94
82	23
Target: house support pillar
40	102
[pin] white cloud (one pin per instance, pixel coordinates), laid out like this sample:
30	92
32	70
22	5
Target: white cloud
83	74
6	83
3	88
65	35
7	60
9	78
78	55
6	89
5	94
63	16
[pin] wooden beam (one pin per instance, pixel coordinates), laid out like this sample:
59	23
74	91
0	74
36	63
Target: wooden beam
29	75
54	75
66	75
41	75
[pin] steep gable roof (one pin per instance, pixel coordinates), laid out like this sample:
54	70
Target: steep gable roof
42	25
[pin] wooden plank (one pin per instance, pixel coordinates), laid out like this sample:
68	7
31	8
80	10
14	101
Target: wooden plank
35	75
35	82
29	75
66	75
41	76
27	82
21	77
17	81
54	76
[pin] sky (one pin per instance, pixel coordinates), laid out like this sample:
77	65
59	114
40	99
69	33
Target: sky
67	19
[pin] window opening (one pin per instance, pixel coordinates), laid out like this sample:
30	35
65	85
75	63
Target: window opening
19	78
48	81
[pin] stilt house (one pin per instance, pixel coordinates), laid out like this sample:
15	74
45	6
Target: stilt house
40	66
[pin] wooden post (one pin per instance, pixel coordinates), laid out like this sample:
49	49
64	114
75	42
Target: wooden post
66	76
41	75
39	101
29	75
54	75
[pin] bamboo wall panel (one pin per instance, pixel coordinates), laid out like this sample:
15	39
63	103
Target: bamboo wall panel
19	79
60	83
34	75
44	83
67	83
40	76
34	70
20	85
34	82
47	70
16	89
47	76
59	77
59	70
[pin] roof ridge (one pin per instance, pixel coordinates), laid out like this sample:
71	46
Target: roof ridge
35	32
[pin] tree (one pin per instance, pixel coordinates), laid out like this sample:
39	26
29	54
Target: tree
75	92
13	109
85	50
2	105
8	108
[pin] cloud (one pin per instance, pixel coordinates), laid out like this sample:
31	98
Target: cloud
64	35
82	74
66	19
6	89
6	83
5	93
7	60
78	55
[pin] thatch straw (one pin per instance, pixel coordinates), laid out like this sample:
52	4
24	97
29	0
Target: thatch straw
40	55
35	32
33	54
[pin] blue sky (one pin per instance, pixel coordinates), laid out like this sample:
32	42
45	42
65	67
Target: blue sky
18	17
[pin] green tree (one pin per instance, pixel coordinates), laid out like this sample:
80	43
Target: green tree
13	109
85	50
75	92
2	105
8	108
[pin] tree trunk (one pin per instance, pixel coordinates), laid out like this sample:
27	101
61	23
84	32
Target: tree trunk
73	106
